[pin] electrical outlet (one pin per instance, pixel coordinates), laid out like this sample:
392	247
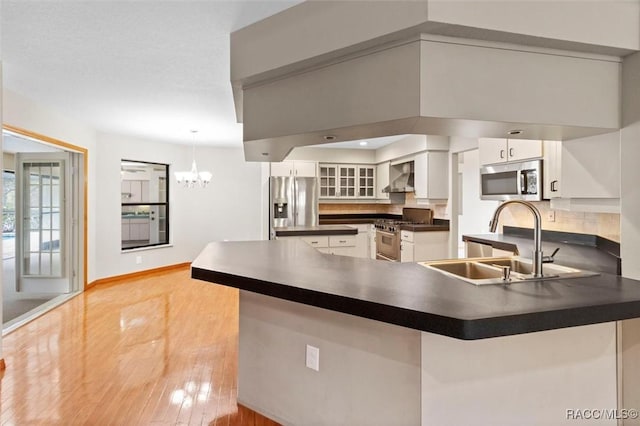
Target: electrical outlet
138	260
551	216
313	358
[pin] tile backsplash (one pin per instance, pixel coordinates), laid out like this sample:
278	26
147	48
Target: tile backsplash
362	208
606	225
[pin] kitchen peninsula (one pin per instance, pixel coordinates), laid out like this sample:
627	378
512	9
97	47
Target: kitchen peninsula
394	345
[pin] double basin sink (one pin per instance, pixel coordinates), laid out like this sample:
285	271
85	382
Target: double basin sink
491	270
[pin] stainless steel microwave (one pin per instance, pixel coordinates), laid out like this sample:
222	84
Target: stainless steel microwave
512	181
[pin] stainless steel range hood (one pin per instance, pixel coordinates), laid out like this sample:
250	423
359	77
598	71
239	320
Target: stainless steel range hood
401	178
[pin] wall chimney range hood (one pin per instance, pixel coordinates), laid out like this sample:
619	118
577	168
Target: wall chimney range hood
401	178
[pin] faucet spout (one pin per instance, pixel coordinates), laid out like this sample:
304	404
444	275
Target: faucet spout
537	231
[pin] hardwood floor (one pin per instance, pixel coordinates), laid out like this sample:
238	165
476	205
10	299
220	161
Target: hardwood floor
160	349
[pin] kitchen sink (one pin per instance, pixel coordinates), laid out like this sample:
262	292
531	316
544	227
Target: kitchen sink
481	271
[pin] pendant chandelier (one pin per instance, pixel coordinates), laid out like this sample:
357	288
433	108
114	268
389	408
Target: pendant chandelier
193	178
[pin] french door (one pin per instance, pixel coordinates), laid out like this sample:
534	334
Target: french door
44	229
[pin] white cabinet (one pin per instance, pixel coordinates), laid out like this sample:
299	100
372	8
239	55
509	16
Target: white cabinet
407	250
497	150
366	181
382	180
552	168
328	180
423	246
347	181
591	167
136	229
431	175
134	191
342	245
294	168
372	241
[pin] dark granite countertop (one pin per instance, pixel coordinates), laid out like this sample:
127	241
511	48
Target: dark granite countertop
438	225
299	231
412	296
576	250
355	218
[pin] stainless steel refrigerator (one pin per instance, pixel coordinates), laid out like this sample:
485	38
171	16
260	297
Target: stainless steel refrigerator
293	201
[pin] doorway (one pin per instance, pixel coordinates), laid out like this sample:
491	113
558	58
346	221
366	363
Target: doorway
41	233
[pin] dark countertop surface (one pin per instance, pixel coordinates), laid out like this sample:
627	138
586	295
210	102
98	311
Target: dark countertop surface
298	231
424	228
587	254
355	218
413	296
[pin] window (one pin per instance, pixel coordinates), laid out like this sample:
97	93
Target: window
145	204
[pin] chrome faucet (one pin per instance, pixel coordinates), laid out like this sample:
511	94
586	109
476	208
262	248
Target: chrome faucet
537	232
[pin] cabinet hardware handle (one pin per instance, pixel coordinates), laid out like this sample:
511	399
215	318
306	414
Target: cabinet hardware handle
314	242
342	241
502	153
510	152
553	186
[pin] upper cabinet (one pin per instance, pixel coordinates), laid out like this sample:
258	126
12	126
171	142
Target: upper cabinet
497	150
347	181
294	168
552	169
382	180
431	175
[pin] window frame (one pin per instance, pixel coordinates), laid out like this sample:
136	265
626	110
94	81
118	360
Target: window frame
164	204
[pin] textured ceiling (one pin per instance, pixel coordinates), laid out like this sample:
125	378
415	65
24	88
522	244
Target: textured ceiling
149	69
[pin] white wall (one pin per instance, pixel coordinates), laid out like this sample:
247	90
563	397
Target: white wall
228	209
475	213
22	112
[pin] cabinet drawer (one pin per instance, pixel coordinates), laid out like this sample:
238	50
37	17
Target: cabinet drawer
342	240
316	241
406	236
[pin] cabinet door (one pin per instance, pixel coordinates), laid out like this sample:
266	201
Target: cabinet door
125	191
406	251
366	181
431	175
126	234
347	181
523	149
372	241
136	191
492	150
552	165
283	168
328	180
343	251
304	168
144	191
382	180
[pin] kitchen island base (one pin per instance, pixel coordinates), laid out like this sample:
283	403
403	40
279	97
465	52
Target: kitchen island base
376	373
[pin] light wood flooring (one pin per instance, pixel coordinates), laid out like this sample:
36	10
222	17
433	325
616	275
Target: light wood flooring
160	350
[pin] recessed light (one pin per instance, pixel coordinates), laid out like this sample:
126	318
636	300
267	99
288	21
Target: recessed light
329	137
515	132
363	143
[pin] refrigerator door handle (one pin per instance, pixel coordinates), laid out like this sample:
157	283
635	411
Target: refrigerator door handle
294	200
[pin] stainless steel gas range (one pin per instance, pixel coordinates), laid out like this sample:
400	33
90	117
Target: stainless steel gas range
388	232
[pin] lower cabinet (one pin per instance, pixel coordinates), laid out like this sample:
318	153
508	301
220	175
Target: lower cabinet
342	245
423	246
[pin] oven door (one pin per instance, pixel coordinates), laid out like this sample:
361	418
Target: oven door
387	246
